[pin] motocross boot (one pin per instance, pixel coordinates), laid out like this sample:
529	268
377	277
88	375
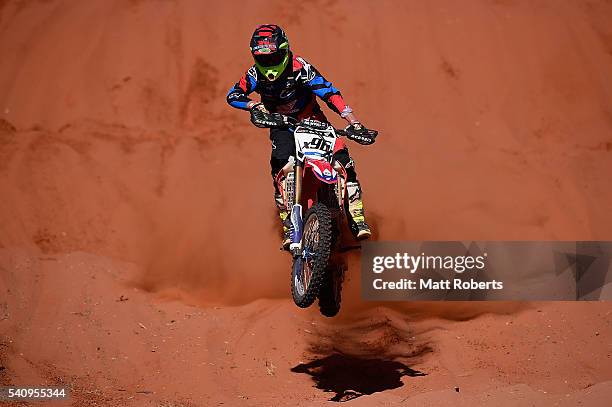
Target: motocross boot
285	220
359	227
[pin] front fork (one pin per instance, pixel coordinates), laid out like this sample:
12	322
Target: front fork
296	212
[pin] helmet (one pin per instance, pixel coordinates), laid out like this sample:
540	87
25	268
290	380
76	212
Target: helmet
270	49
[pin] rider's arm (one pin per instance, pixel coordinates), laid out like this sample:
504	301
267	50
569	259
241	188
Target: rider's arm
312	78
238	95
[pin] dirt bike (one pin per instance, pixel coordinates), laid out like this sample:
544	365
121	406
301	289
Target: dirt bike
315	183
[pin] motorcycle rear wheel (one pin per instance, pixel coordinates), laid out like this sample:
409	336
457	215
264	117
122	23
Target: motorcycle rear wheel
309	269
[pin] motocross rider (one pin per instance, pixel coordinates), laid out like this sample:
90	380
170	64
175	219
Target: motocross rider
288	84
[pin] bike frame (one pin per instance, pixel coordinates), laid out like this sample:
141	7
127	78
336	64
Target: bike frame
299	186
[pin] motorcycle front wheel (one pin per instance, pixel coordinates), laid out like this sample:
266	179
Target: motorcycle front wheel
309	268
330	294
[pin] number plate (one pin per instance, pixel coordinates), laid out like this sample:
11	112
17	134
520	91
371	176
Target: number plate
313	143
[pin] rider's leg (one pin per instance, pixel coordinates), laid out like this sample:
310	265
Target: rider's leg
282	148
284	217
358	224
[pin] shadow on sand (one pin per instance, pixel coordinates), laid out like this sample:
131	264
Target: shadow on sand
350	377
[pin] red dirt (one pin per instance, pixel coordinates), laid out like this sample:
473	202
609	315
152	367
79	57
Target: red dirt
131	192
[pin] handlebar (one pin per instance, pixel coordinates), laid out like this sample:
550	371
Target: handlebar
277	120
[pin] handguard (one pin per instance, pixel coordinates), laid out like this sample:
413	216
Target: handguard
267	120
361	135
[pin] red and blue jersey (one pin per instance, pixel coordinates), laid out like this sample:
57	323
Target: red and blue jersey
293	93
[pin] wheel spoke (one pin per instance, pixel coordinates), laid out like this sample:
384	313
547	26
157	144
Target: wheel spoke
311	244
307	277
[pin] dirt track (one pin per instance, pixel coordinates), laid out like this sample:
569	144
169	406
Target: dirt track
130	195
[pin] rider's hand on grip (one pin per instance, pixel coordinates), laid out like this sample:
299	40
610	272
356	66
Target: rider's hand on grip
257	105
357	132
260	118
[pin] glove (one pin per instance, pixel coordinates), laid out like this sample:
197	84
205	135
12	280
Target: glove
259	106
260	116
360	134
